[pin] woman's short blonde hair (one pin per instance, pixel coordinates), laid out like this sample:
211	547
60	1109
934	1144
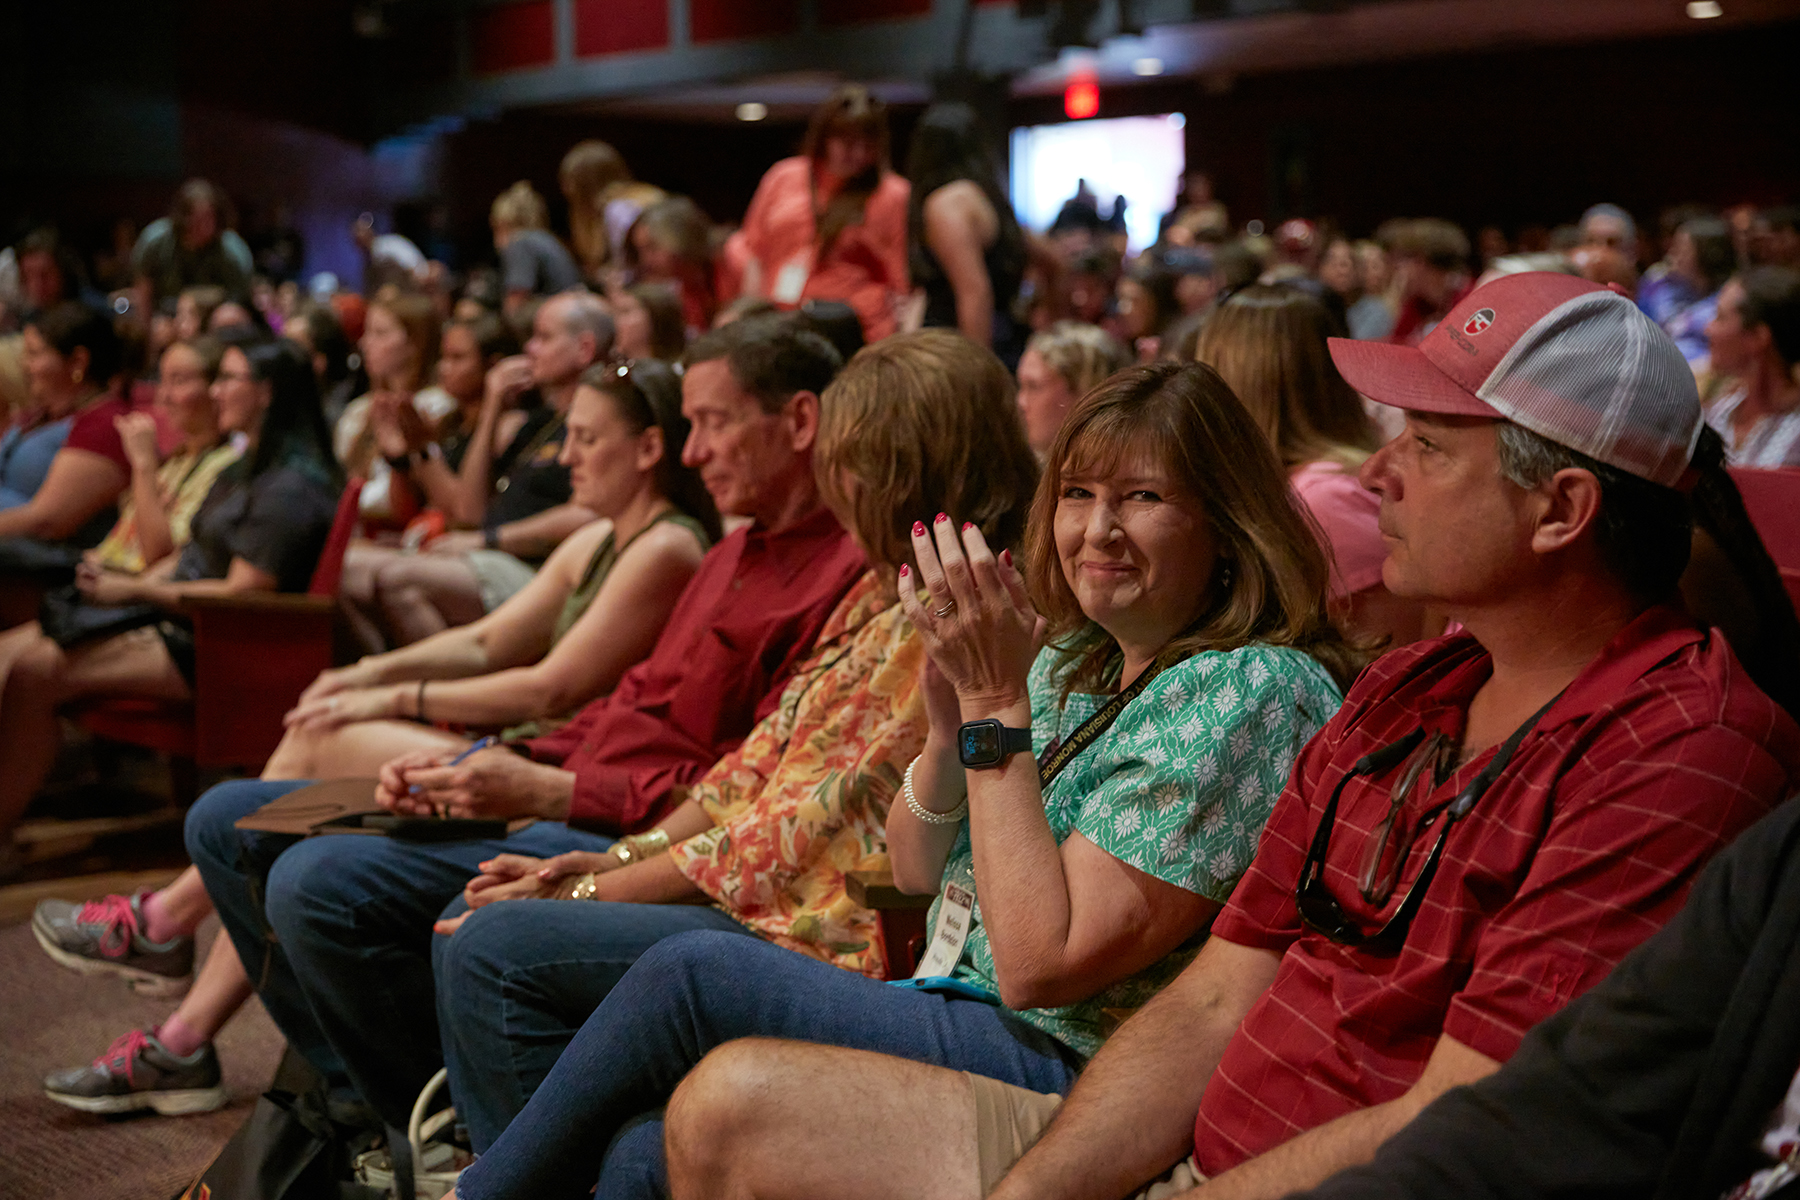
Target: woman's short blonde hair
1082	354
520	207
1270	579
918	424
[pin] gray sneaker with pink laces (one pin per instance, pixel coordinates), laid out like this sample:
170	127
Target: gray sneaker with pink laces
137	1071
106	936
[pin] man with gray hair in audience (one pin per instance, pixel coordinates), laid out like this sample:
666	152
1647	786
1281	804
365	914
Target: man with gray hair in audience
509	480
1610	226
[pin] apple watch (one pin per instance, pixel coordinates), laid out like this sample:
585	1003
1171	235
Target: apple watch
989	743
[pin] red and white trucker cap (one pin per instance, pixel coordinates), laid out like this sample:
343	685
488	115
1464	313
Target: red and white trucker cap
1570	360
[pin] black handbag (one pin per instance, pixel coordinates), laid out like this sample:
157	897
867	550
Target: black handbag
66	617
290	1148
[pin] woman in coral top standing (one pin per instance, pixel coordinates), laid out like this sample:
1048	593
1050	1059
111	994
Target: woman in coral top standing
830	223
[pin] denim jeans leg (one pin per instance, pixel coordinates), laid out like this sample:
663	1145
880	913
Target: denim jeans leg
635	1167
517	980
354	917
234	866
695	991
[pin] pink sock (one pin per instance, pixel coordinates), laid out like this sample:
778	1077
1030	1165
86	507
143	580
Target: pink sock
158	926
178	1037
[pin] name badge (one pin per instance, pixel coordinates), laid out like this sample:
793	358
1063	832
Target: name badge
956	913
790	281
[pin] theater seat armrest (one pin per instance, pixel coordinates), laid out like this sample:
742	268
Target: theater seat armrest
261	602
875	890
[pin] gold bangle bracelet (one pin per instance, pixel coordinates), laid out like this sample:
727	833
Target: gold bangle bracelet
584	887
649	844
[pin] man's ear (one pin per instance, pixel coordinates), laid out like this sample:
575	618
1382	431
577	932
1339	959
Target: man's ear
802	413
1570	504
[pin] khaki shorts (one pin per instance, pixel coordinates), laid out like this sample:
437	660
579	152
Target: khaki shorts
1009	1120
498	575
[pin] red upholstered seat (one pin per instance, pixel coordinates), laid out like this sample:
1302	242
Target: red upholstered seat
1772	498
253	655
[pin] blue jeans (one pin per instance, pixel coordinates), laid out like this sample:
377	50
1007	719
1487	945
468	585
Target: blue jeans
695	991
516	981
335	932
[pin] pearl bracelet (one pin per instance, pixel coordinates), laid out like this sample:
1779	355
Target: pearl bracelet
925	814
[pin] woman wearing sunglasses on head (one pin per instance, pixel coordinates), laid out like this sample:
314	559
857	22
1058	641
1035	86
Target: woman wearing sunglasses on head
1188	658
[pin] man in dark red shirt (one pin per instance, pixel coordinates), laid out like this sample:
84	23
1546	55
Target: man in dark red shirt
347	973
1489	823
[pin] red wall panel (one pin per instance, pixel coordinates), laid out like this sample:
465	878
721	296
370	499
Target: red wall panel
721	20
507	37
616	26
849	12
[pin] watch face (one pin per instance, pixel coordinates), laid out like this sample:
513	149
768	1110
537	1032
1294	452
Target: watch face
980	743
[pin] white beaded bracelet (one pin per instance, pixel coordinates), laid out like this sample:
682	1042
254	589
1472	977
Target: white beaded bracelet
925	814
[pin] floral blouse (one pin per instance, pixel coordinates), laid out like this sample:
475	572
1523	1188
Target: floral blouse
804	799
1179	787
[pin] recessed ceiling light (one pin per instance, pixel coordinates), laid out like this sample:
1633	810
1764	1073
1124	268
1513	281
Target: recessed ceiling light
1702	10
1147	66
751	110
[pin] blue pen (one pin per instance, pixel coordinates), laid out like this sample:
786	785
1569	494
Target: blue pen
483	744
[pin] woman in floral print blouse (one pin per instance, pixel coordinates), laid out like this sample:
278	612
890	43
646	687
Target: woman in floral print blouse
762	843
1173	570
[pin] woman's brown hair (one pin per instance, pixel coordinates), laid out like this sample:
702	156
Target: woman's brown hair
918	424
587	170
668	325
418	316
1268	343
851	111
1270	579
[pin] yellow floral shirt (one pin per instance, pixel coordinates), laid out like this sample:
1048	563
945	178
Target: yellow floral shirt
183	480
805	798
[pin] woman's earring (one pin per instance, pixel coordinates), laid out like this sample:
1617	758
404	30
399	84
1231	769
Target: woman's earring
76	374
1225	575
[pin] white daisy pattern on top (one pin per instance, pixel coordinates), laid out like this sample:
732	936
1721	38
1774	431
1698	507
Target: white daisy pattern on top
1179	787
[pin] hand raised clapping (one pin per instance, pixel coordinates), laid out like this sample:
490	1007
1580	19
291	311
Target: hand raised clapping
979	626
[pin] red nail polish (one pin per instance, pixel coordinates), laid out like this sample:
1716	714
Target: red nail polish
1006	557
943	517
918	529
904	569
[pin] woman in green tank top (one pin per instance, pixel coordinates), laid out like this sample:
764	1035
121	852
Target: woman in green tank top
595	608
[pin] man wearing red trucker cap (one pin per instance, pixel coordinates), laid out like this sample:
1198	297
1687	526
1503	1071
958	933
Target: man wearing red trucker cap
1491	821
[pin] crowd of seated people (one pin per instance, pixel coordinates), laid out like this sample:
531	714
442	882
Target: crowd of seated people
1279	659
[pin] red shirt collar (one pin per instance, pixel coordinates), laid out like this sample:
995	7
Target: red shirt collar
1652	636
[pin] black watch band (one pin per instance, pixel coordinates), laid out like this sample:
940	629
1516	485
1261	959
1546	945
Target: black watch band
988	743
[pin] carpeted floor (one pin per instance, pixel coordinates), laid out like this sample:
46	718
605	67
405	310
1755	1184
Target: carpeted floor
51	1018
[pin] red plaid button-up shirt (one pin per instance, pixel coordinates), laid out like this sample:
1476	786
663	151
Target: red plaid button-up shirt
1654	758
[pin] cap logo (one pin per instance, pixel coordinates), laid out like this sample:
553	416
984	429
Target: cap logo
1478	321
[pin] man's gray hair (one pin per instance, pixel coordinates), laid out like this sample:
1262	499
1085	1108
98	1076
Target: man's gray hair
1616	213
586	313
1643	530
1527	458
